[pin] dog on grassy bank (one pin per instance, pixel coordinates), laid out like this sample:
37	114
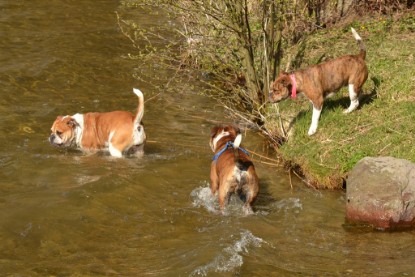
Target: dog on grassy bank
118	131
231	170
318	81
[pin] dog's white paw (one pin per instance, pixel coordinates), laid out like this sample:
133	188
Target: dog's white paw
349	110
312	131
353	106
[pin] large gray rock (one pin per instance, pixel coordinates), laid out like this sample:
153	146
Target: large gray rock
381	192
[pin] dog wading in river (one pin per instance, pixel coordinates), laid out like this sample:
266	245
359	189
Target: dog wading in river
231	170
118	131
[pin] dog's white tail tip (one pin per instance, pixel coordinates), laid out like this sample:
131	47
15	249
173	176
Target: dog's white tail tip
138	92
237	141
355	34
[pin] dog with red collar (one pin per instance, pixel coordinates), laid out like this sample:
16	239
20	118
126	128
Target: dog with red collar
318	81
231	170
118	131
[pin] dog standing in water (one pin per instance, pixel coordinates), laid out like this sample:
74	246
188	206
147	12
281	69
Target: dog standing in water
118	131
231	170
317	81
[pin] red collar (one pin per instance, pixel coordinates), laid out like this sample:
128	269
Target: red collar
293	86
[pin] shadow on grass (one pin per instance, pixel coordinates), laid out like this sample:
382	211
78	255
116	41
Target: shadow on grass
364	99
373	94
331	104
300	115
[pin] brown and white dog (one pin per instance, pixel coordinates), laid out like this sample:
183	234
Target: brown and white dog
231	170
318	81
119	131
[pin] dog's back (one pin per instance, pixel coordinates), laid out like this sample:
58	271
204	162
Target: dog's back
330	76
231	170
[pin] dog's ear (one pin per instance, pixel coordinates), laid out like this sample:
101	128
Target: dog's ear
285	80
283	74
237	130
72	123
213	131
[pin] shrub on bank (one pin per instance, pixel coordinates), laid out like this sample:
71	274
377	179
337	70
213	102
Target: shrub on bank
237	47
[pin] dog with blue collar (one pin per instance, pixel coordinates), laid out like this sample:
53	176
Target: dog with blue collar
231	170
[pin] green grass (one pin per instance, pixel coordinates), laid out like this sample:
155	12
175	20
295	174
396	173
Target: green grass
384	124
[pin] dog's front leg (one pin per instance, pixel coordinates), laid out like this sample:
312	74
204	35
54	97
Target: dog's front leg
113	146
314	120
214	181
114	151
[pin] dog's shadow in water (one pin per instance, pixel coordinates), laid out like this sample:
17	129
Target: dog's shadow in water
264	199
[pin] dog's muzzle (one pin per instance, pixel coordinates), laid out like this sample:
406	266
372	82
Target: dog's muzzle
52	138
271	98
55	140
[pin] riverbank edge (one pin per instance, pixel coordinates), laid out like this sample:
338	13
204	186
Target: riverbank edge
383	125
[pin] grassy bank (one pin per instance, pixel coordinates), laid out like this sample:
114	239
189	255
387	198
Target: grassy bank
384	124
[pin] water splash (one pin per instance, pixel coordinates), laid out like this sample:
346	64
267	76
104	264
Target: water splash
27	230
289	205
203	197
231	256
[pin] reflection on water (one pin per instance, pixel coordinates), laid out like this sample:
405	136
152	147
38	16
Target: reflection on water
64	213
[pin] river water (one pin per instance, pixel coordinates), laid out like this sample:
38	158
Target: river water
65	213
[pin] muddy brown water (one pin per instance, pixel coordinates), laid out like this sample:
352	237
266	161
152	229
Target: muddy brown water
64	213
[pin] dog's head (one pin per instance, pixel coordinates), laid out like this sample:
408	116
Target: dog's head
63	131
222	131
139	136
280	88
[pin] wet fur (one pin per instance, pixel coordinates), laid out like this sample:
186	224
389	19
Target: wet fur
233	172
119	131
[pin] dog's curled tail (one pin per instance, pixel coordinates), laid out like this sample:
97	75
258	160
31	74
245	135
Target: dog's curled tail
240	166
236	144
360	43
140	108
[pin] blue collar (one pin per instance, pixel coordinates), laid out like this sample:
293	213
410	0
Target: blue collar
229	144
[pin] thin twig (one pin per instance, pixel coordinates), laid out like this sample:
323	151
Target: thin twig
270	164
304	180
261	156
289	175
124	32
273	163
205	119
153	97
381	150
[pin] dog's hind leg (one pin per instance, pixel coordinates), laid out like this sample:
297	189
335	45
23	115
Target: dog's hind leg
224	194
314	120
248	204
250	196
354	100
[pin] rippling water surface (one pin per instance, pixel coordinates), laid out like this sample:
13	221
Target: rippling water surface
64	213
